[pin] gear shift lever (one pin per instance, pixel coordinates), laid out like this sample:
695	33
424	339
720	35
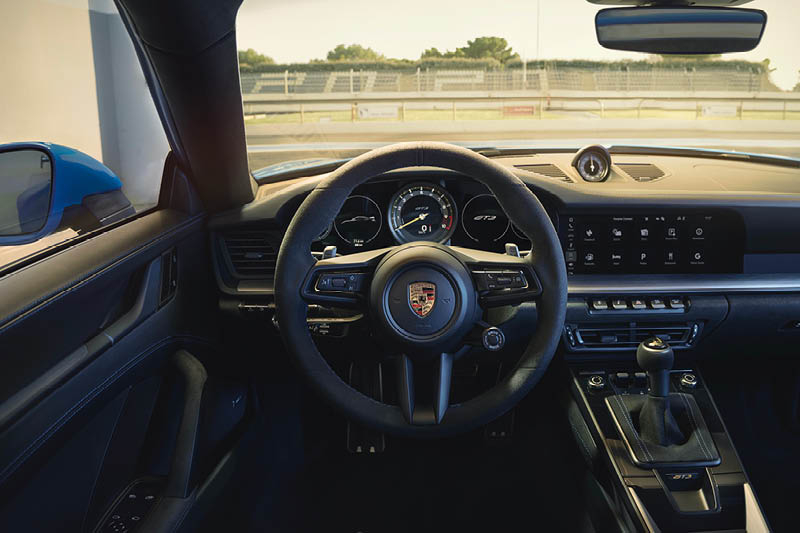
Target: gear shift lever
662	427
656	358
656	422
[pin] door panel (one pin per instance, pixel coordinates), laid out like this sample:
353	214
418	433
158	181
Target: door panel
70	294
87	344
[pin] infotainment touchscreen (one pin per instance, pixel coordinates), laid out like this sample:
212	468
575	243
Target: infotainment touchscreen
651	243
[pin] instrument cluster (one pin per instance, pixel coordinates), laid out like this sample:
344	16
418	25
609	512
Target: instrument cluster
447	210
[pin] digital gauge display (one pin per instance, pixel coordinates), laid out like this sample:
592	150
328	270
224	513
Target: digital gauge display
359	221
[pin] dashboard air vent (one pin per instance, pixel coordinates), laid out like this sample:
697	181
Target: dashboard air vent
250	253
621	336
642	171
546	169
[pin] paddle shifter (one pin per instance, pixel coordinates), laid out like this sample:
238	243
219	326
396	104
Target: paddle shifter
655	357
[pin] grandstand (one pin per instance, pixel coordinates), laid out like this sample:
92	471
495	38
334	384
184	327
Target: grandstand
572	79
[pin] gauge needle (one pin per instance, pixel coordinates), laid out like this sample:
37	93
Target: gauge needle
421	217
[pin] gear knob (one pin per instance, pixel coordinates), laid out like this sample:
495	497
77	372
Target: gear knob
656	358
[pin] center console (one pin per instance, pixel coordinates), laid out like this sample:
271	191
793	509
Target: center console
672	463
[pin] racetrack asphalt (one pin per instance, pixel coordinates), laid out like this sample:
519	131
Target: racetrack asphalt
274	143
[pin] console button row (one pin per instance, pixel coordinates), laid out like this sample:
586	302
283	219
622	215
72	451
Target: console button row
626	380
627	304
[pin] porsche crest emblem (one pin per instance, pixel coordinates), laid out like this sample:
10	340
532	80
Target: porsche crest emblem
422	297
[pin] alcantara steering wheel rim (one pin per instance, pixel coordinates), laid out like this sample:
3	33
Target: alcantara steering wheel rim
297	279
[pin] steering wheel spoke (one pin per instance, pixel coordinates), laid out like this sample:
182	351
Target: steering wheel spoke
501	279
431	413
342	280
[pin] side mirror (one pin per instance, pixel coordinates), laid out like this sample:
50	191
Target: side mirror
44	185
26	184
680	30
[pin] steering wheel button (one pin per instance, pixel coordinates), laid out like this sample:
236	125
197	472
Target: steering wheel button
339	283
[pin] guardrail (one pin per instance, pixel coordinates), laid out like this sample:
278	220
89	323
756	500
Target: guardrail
779	105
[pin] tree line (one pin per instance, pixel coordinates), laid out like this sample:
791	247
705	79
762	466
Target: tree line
487	53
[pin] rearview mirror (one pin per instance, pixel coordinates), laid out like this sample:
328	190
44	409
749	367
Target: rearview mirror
680	30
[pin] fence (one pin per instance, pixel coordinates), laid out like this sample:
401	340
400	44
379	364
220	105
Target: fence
456	105
425	80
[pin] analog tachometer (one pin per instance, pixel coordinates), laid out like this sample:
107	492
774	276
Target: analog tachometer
422	212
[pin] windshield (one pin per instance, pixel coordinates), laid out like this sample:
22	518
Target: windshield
325	80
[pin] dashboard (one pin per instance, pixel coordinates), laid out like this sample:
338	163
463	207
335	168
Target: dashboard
658	223
663	242
421	207
462	212
654	243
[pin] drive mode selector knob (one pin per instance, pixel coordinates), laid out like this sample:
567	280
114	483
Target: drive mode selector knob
493	339
596	383
688	380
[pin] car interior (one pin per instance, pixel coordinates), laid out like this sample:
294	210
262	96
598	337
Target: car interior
425	337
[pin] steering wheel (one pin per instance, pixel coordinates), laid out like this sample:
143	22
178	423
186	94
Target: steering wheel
422	298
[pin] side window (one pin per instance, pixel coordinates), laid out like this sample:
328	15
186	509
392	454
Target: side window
81	144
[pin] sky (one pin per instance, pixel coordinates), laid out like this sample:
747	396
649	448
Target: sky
295	31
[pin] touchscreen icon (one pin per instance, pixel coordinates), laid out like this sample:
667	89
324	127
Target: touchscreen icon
672	232
616	233
644	232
